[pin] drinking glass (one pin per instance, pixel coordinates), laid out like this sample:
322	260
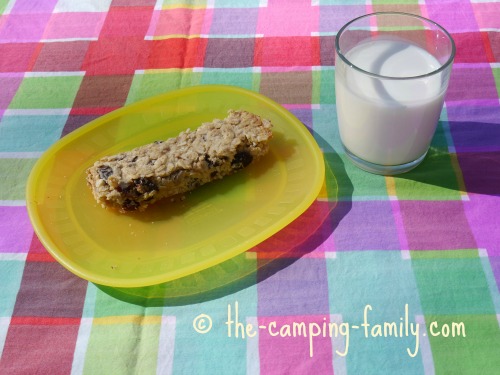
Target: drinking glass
391	75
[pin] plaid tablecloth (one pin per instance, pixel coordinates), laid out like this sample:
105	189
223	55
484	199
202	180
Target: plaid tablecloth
382	275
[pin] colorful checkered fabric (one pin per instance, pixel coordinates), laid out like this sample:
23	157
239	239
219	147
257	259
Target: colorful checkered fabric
341	289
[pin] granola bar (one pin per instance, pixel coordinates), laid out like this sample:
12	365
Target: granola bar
133	180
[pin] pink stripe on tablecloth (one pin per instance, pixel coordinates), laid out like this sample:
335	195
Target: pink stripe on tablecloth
207	21
18	240
284	18
155	16
9	86
22	28
74	25
30	6
398	220
482	213
281	353
487	15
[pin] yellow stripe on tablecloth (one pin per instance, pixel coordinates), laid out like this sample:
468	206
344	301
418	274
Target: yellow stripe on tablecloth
460	178
390	182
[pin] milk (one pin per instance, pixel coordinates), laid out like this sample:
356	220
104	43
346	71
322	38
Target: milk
388	121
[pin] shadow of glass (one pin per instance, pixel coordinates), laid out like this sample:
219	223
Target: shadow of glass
481	172
475	168
279	251
436	169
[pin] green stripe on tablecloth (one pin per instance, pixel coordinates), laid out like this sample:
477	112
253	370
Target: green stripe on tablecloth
46	92
476	353
14	174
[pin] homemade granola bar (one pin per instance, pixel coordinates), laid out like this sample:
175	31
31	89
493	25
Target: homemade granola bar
132	180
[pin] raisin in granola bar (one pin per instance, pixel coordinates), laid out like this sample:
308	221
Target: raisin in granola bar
132	180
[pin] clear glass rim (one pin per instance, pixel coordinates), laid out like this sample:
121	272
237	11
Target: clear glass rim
350	64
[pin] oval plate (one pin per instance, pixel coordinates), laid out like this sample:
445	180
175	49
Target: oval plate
171	239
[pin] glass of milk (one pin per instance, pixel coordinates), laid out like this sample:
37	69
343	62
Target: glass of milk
391	74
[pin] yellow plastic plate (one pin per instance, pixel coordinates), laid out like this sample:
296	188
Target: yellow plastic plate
170	239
